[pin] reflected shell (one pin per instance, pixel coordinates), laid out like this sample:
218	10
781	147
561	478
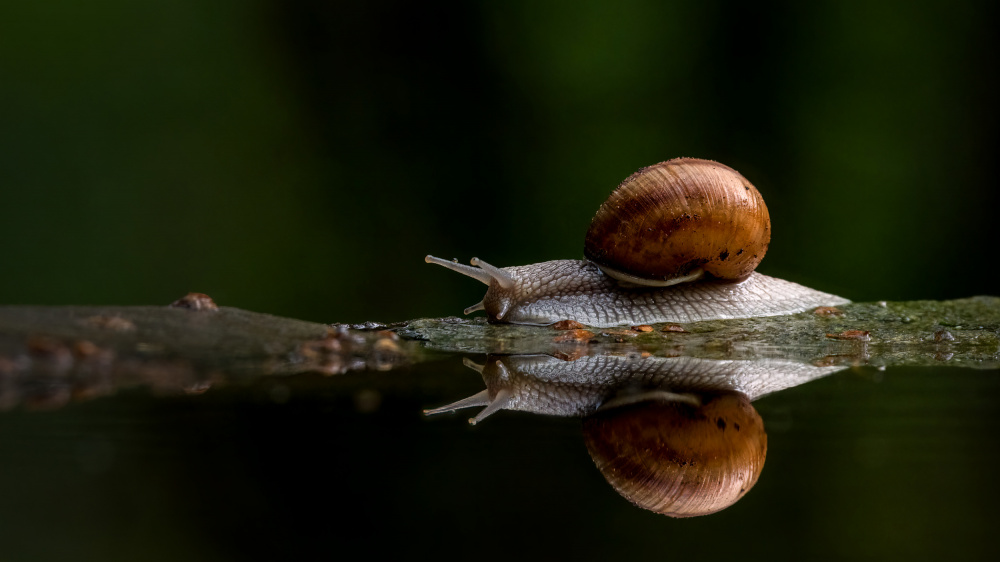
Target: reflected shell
671	219
678	459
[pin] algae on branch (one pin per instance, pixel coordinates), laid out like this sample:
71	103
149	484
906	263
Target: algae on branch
963	332
165	346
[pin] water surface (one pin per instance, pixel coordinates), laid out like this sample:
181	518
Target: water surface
864	462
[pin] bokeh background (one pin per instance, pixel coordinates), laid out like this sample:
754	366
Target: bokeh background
300	157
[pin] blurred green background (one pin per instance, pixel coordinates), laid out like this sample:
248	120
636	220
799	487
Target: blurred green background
300	157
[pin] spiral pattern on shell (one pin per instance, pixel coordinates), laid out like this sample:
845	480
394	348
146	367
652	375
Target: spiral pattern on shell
674	219
676	459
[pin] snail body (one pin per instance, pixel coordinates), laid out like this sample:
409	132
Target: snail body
675	242
546	385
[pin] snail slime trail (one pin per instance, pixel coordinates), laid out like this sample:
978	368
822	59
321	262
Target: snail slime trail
677	241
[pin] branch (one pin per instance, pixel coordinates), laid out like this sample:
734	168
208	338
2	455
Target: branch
50	355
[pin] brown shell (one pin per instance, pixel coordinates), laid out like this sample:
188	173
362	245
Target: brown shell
670	219
676	459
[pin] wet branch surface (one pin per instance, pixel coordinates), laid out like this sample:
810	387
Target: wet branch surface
94	350
964	332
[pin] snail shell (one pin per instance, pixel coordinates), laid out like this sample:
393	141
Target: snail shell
674	222
678	220
679	457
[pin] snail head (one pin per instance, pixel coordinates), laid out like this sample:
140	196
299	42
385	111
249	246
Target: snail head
502	291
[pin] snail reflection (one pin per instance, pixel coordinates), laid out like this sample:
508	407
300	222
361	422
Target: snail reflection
674	435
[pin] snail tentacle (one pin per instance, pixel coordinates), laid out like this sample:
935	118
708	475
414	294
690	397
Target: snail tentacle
474	308
501	277
478	399
467	270
499	402
473	365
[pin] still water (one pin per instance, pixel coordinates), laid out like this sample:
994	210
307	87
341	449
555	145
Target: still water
860	463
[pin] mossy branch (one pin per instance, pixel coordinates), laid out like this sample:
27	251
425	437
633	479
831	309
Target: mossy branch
95	350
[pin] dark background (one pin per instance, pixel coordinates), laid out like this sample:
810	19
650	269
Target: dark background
301	157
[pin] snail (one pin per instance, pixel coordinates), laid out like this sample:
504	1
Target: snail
677	241
679	455
674	435
546	385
